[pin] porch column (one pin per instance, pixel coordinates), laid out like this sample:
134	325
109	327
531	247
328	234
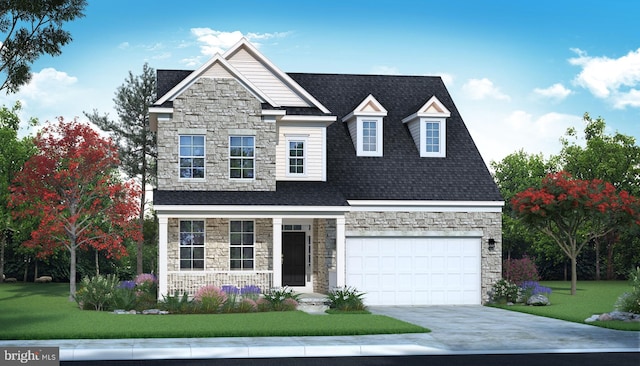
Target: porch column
163	238
277	252
340	253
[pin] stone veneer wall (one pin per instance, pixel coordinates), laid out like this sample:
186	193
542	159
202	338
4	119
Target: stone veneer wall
217	108
217	245
490	223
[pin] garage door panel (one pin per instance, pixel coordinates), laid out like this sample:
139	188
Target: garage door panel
414	271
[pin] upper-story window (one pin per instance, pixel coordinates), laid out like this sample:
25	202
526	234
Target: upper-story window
370	135
428	128
365	127
242	157
192	153
296	156
432	136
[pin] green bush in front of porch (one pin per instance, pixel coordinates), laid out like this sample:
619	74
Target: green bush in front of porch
42	311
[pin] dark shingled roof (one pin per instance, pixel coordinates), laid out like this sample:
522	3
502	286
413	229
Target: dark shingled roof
400	174
286	194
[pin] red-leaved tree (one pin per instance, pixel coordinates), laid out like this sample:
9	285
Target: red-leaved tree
573	212
72	186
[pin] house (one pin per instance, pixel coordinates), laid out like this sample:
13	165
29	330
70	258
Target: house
314	181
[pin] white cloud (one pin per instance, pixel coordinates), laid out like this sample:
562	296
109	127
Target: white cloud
478	89
48	87
615	80
556	91
214	41
123	45
498	135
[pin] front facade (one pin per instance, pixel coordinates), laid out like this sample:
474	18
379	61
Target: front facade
314	181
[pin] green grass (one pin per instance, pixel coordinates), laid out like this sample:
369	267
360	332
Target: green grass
592	297
42	311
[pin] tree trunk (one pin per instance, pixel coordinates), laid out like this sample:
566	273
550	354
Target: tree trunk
574	274
97	264
597	247
35	270
26	268
72	272
3	240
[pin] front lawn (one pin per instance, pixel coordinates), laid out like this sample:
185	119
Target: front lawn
42	311
592	297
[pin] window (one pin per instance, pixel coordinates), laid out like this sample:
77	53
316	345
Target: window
369	136
369	139
241	157
191	244
296	157
432	139
191	156
241	237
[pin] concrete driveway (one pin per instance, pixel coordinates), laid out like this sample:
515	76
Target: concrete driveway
476	328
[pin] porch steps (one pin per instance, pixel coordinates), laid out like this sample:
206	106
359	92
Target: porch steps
313	303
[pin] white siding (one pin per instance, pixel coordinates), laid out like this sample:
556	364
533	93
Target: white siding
414	128
353	131
265	80
217	71
314	151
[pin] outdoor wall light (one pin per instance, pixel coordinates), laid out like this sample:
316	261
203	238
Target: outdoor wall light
491	243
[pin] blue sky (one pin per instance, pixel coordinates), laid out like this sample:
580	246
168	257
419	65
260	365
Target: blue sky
520	72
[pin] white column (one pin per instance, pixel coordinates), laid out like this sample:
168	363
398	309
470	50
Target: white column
277	252
163	238
340	253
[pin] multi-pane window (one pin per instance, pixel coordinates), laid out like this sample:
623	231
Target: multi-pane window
191	156
191	244
432	140
369	136
296	157
241	157
241	239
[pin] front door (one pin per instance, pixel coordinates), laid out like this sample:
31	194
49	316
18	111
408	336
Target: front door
293	263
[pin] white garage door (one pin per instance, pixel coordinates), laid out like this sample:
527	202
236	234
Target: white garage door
415	271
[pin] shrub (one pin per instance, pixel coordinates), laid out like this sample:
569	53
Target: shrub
96	292
124	296
519	270
146	285
505	291
282	299
630	301
346	299
210	299
263	304
247	305
530	288
232	293
176	304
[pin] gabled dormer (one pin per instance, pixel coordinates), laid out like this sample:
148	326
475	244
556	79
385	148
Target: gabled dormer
365	124
428	127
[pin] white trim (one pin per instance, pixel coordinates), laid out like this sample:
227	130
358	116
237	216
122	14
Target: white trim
273	68
415	234
253	212
442	138
163	257
161	110
359	110
273	112
288	140
360	128
277	248
302	118
424	110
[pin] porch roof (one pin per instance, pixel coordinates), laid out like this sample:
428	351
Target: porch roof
286	194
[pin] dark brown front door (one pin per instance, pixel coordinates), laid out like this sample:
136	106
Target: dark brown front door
293	258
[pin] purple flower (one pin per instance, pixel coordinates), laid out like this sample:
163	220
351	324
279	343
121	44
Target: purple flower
535	288
230	290
129	285
250	290
145	277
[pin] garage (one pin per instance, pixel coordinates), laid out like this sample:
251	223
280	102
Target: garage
415	270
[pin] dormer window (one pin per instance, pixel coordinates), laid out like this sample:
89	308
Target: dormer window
428	128
365	125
